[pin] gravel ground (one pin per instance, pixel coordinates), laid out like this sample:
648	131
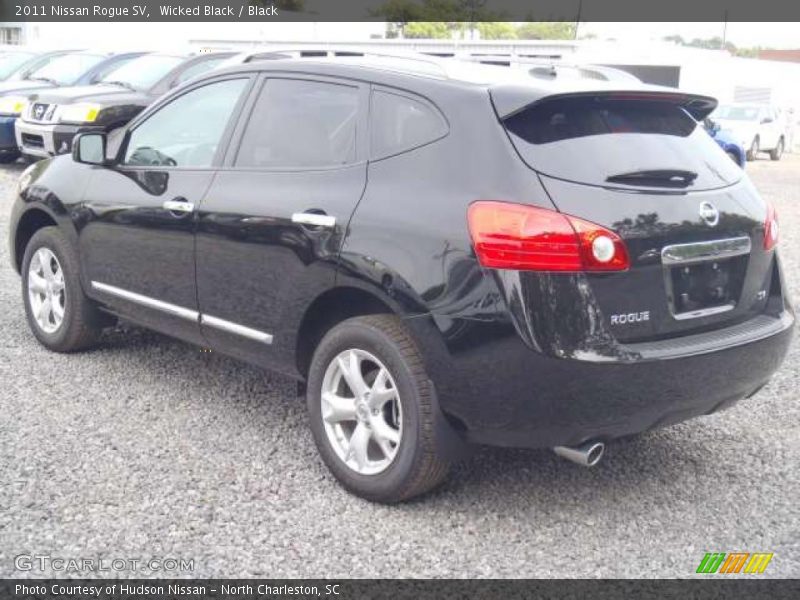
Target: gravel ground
117	453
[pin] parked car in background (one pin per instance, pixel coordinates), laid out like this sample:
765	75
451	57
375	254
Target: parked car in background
756	127
52	118
12	59
727	142
439	261
18	62
67	69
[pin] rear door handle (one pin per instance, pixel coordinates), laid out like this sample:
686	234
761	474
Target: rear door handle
178	205
314	219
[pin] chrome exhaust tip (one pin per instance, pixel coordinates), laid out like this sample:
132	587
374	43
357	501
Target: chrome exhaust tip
587	454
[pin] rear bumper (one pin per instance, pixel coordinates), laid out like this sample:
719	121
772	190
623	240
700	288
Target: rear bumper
44	141
502	393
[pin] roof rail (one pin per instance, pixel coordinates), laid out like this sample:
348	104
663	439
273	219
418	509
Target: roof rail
434	64
549	69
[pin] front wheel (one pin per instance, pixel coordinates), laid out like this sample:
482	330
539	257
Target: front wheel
372	411
752	153
61	317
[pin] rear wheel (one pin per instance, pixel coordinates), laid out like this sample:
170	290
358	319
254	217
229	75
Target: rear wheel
61	317
371	409
752	153
777	151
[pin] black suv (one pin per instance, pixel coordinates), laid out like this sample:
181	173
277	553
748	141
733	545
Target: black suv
440	258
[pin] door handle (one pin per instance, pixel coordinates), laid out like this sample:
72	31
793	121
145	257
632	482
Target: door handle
178	205
314	219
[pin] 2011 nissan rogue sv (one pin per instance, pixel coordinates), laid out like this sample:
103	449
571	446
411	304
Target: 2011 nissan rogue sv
440	256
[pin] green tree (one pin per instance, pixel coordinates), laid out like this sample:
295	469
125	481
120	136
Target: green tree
678	39
556	30
398	13
497	30
714	43
427	30
288	5
446	11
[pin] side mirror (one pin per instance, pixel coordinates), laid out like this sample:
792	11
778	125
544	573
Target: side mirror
766	120
89	148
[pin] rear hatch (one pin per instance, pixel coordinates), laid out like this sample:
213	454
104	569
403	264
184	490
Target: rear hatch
639	164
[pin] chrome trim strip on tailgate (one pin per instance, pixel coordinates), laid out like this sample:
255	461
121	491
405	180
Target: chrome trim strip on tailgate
684	254
703	312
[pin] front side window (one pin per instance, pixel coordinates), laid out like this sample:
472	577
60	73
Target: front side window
187	131
301	124
400	123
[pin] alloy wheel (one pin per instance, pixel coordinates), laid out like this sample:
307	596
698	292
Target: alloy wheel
361	411
46	292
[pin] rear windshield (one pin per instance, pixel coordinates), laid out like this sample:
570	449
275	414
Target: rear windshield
590	139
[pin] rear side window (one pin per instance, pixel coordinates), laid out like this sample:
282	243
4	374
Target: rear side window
301	124
401	123
597	139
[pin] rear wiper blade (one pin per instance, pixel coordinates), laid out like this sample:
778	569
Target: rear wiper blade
670	178
124	84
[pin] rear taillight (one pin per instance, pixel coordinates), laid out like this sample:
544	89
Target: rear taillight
771	228
527	238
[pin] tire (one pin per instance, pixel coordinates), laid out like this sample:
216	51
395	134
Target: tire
416	467
81	323
752	153
777	151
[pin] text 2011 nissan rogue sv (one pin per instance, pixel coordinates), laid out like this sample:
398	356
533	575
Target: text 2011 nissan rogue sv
439	259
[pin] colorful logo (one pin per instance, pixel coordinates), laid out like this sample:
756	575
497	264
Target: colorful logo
734	562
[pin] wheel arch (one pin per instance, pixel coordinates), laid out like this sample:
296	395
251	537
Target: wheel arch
331	307
31	221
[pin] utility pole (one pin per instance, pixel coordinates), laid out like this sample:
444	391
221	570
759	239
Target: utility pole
725	30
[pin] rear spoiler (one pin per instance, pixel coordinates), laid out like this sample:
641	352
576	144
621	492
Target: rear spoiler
509	100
